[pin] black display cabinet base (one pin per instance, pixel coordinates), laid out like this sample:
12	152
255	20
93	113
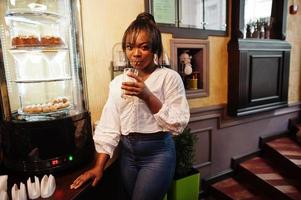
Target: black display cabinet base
47	146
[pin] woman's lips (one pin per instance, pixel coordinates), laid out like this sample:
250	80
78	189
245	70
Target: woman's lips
135	63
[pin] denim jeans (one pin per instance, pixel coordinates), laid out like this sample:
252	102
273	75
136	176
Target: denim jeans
147	165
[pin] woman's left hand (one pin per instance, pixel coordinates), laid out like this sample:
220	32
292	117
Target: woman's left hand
137	88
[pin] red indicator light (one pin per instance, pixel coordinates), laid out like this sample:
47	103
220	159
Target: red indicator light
54	162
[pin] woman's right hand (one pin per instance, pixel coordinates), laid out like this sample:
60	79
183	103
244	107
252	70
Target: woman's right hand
95	174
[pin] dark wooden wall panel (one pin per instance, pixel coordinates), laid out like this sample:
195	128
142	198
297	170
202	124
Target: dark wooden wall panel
203	150
258	77
265	79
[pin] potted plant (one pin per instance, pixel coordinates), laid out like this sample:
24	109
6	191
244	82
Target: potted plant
186	183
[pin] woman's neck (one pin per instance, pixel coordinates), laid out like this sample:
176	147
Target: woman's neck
144	74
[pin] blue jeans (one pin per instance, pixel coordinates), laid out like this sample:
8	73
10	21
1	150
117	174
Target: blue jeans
147	165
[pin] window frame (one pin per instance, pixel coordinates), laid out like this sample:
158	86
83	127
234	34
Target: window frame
183	32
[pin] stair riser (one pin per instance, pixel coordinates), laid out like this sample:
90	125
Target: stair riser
218	195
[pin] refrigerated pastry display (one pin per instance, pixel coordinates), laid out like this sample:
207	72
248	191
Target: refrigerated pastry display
43	86
37	40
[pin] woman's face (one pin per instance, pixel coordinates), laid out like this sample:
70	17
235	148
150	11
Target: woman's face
139	52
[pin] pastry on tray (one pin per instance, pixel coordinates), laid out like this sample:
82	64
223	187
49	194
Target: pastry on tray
51	41
54	105
25	41
34	41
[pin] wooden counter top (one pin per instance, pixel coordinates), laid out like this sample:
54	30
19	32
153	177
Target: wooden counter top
109	188
63	181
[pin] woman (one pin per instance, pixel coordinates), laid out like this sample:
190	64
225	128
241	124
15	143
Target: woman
145	122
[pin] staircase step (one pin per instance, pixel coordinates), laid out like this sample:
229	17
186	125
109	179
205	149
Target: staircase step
270	179
288	148
286	153
231	188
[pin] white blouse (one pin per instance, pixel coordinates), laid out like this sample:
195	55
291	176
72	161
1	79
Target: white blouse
131	114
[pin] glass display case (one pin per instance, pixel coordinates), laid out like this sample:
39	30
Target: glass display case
39	67
43	84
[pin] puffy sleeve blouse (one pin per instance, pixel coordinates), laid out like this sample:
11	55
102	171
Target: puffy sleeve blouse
120	116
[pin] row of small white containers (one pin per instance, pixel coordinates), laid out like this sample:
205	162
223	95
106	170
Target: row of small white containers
34	189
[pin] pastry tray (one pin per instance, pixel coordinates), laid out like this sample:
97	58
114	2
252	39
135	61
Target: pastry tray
58	112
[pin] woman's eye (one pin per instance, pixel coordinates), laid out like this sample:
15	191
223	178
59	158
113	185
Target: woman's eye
145	47
129	47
